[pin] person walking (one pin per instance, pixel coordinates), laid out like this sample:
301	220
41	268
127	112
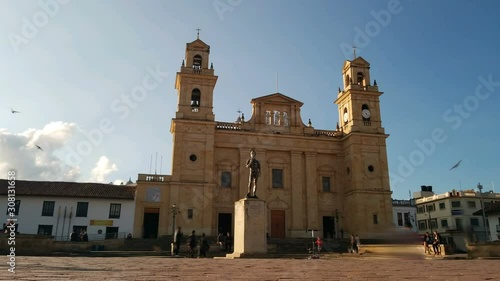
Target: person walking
319	244
204	247
177	240
192	243
228	242
357	242
353	244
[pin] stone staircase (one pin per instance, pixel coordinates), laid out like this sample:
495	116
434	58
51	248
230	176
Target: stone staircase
277	247
302	245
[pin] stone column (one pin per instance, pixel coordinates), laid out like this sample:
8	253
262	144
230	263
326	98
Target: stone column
311	191
297	184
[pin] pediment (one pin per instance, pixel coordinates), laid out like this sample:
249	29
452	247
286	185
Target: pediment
359	61
276	98
197	44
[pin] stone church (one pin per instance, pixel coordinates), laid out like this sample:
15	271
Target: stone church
331	181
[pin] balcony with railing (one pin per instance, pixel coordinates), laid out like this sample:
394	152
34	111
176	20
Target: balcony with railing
327	133
200	71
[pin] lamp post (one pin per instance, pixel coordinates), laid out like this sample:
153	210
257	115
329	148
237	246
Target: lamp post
174	212
337	226
480	187
429	213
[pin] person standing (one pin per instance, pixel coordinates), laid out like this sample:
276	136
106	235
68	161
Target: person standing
357	242
177	240
319	244
353	244
204	247
228	242
192	243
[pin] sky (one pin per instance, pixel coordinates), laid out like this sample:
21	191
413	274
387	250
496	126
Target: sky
68	65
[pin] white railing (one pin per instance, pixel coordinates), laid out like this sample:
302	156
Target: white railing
228	126
326	133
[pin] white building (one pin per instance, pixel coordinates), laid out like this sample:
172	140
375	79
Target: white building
104	211
492	214
454	215
404	214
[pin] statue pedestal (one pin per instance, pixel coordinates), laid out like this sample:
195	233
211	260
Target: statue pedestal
250	221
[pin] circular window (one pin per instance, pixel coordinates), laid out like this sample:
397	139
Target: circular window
370	168
99	231
193	157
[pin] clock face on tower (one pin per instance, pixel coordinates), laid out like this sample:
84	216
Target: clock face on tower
366	113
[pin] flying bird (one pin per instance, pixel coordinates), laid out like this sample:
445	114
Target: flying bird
37	146
456	165
14	111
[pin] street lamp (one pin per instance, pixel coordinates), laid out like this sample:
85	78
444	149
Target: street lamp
337	226
480	187
429	213
174	212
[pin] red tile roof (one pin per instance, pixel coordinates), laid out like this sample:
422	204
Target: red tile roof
69	189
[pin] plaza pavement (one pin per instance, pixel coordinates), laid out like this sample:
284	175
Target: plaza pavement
336	267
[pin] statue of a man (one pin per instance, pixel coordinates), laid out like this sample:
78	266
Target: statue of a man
254	167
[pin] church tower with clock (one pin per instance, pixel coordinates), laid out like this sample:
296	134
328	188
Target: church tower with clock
367	192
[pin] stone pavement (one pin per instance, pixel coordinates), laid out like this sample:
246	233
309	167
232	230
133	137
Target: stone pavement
325	268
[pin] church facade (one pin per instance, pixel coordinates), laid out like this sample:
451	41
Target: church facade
336	181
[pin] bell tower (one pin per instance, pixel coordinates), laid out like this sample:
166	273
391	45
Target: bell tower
358	102
367	194
195	83
193	127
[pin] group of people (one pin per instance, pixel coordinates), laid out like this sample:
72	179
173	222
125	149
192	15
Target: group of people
432	242
198	248
354	245
82	237
225	242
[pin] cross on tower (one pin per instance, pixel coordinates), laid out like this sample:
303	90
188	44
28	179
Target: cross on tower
354	51
198	34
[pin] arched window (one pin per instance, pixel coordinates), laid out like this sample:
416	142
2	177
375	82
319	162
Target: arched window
360	78
286	122
347	80
197	62
195	100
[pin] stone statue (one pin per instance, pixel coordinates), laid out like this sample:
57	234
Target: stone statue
254	167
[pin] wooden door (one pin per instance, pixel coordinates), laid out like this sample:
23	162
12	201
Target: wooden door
277	224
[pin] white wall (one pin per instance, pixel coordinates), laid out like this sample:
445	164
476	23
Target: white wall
30	215
493	221
403	210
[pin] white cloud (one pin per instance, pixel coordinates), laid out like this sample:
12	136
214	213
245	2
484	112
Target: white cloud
119	182
102	169
19	152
